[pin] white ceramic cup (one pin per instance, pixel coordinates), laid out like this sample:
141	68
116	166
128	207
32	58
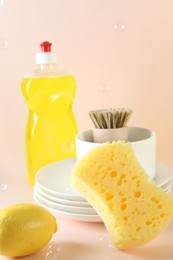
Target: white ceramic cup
143	143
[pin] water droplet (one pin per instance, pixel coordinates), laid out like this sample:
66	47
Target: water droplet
3	186
104	87
1	3
119	26
53	251
3	43
68	146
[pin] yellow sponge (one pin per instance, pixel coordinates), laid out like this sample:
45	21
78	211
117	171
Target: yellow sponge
132	207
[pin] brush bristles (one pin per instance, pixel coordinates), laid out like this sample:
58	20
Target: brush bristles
110	118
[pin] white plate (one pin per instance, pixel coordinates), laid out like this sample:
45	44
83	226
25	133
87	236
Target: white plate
164	174
75	216
66	208
47	196
54	179
68	193
167	185
79	217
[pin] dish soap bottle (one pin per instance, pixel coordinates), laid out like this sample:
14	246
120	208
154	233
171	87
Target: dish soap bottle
51	128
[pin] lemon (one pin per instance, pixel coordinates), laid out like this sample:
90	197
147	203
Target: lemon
25	229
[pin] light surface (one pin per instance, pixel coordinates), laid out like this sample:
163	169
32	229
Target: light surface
77	240
132	68
129	66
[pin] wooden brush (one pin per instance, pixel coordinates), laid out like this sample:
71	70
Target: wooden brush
110	124
110	118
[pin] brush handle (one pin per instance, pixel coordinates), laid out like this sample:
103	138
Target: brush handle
110	135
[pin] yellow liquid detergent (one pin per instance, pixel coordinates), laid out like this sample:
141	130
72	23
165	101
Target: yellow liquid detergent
51	127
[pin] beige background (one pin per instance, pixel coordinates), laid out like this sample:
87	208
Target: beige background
136	63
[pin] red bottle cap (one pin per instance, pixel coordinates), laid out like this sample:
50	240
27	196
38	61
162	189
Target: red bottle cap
45	46
46	56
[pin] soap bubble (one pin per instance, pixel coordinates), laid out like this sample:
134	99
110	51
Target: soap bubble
67	189
68	146
51	255
110	246
104	87
3	186
119	26
1	3
105	241
101	239
3	43
53	251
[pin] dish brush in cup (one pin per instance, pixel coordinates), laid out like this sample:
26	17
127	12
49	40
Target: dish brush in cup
110	124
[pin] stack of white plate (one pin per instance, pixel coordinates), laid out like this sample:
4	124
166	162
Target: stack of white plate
53	190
